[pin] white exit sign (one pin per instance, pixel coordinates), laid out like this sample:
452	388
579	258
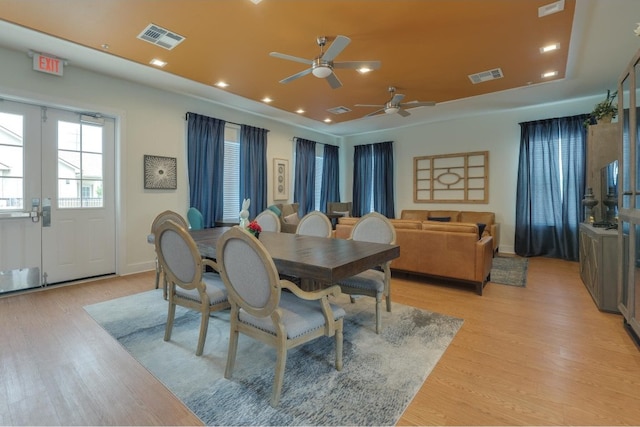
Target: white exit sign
48	64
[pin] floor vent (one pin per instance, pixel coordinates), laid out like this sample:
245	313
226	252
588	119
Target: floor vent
160	37
339	110
486	76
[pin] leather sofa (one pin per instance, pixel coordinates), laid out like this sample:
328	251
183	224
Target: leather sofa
446	250
488	218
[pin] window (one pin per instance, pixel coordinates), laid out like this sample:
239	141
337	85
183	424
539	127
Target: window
231	185
80	179
11	162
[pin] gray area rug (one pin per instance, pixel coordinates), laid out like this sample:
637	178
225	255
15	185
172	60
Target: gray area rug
509	271
381	373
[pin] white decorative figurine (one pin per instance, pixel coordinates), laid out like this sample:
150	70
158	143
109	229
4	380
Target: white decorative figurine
244	213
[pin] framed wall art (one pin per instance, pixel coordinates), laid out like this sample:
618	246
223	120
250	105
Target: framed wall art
451	178
160	173
280	179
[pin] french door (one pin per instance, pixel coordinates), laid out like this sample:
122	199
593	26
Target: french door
57	202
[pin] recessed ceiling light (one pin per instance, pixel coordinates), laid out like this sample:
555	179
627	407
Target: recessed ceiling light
327	120
222	84
158	62
267	99
550	48
549	74
105	46
364	70
300	111
255	1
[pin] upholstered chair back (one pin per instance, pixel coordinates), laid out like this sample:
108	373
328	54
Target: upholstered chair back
374	228
315	224
269	221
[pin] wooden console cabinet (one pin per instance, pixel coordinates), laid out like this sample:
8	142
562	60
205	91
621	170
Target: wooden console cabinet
599	265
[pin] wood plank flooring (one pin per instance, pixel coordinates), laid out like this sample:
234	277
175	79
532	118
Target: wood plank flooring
540	355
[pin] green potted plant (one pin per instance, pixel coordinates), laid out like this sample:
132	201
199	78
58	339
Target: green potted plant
605	110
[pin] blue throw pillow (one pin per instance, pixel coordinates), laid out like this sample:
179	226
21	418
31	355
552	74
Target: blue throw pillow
481	228
274	209
439	218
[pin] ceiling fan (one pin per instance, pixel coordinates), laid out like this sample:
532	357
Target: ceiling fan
322	65
394	105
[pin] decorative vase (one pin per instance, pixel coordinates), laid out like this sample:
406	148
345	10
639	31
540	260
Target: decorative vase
589	202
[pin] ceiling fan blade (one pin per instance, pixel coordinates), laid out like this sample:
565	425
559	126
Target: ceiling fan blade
291	58
396	99
403	113
296	76
413	104
369	105
336	47
375	113
373	65
333	81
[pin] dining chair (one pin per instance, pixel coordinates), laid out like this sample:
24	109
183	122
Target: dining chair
268	220
315	224
261	310
196	220
375	282
188	283
163	216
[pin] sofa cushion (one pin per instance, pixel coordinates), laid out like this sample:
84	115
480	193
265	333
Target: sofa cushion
348	220
439	218
414	214
343	213
406	224
458	227
481	217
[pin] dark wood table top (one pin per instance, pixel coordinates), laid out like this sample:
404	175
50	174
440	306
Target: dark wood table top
316	258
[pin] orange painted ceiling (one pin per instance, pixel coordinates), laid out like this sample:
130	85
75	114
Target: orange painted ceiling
427	49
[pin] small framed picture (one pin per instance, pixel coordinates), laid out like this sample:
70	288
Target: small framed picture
280	179
160	173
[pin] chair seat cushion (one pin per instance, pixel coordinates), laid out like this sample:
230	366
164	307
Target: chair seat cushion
369	280
299	316
215	289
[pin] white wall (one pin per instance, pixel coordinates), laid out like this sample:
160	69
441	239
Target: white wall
149	121
497	133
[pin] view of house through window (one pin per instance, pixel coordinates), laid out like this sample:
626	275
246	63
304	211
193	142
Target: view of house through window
11	162
80	178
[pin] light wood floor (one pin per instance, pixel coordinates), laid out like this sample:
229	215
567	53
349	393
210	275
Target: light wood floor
542	355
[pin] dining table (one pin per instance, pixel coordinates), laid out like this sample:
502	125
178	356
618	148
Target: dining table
317	260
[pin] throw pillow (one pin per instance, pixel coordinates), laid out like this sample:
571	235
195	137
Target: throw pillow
344	214
481	228
292	219
439	218
274	209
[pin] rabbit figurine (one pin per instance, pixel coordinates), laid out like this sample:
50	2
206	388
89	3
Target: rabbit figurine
244	213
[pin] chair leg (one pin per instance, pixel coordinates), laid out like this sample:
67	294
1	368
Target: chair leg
378	313
389	302
204	325
170	317
157	274
278	379
339	339
233	349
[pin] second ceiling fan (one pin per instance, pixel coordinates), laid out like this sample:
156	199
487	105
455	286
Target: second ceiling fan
322	65
394	105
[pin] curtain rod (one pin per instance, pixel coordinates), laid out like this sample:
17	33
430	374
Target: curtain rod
323	143
186	117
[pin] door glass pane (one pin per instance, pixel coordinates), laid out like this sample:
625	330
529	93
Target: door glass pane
636	278
626	250
80	174
11	162
633	111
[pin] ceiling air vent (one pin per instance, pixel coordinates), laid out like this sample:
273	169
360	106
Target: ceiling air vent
338	110
160	37
486	76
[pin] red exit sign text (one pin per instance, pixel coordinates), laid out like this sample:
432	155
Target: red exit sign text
47	64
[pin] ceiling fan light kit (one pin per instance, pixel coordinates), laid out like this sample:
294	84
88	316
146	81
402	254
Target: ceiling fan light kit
323	65
394	105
